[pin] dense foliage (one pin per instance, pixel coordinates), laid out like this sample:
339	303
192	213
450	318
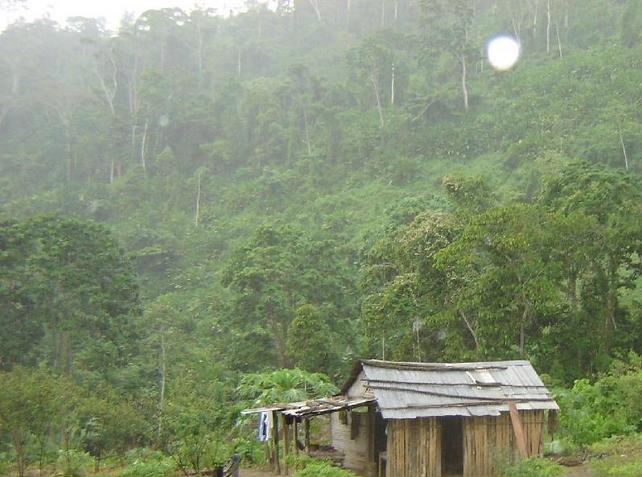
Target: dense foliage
194	201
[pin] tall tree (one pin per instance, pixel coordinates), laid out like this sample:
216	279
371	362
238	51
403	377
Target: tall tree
71	282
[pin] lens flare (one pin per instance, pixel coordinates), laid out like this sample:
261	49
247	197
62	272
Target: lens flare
503	52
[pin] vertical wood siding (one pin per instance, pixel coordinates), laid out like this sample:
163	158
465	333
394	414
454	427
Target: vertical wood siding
489	442
414	448
414	445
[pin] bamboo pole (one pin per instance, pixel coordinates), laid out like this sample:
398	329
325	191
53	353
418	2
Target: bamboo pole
275	421
307	436
286	445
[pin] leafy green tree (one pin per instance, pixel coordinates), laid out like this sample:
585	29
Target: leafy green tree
496	268
32	403
70	281
278	271
610	201
404	289
311	343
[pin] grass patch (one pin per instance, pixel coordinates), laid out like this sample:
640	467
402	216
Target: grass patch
618	457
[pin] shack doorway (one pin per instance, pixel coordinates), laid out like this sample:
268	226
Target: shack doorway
380	443
452	447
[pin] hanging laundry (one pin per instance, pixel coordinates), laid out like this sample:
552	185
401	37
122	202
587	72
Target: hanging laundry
265	423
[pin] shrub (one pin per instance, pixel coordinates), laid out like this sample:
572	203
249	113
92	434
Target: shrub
144	463
534	467
5	463
73	463
250	450
314	468
610	406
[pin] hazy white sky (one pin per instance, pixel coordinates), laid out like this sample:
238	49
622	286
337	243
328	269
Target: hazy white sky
111	10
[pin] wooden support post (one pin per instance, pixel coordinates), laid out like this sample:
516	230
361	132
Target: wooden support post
275	437
373	458
286	445
518	428
296	437
307	436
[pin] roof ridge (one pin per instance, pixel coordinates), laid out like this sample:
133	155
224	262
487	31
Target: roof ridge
470	366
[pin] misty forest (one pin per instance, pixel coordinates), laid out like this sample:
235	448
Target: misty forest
201	214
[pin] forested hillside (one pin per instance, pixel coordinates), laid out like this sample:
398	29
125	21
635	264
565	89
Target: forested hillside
196	201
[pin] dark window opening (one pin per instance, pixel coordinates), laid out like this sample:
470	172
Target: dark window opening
355	423
452	446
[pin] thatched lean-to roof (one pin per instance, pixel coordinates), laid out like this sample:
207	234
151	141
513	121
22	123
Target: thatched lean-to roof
415	390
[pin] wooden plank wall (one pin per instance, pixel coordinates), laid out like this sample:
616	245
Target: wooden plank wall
355	450
414	448
414	445
489	442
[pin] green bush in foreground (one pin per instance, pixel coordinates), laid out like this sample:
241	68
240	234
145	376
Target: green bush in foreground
73	463
148	464
534	467
313	468
610	406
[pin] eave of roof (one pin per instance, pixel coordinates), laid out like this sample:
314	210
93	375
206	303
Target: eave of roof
314	407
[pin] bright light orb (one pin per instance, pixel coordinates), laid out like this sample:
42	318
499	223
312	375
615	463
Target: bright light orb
503	52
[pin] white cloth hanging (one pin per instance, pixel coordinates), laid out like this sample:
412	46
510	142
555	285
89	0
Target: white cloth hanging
265	424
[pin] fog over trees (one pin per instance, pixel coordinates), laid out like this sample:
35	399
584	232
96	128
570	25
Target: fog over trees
198	209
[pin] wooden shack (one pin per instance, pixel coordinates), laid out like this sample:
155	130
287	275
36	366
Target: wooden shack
397	419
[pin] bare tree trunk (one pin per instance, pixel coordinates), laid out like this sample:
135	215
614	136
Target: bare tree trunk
464	85
392	86
112	170
142	146
279	335
15	91
517	27
548	26
197	213
396	11
535	21
199	31
70	157
383	13
471	329
161	399
20	452
68	352
375	87
307	131
132	98
238	63
559	40
626	157
348	11
522	338
315	6
109	92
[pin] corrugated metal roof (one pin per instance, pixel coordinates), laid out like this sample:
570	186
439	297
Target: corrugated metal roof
411	390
